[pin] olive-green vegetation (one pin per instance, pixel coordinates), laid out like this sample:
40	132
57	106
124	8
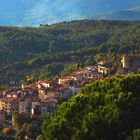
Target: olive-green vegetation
36	52
105	110
26	126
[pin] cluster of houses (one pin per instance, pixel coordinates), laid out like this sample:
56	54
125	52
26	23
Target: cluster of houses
44	96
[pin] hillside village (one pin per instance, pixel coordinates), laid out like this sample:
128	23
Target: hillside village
44	95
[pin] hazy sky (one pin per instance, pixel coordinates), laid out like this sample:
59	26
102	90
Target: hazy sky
36	11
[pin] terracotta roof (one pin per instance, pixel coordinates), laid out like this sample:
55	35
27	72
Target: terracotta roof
11	99
47	99
44	81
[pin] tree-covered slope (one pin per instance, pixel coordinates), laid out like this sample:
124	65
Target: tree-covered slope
28	51
105	110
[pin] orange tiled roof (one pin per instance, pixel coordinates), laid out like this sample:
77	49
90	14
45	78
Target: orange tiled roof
11	99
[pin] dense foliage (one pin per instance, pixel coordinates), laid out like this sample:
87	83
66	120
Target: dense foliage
26	51
105	110
26	126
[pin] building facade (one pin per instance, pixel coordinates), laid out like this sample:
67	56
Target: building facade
9	105
131	62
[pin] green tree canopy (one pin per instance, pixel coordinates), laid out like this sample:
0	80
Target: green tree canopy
103	111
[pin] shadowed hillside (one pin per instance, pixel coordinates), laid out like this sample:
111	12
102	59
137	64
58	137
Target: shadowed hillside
32	51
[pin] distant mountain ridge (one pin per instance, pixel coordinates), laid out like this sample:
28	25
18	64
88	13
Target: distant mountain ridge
35	12
129	14
47	11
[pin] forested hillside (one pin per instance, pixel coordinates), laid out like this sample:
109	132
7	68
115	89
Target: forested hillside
45	51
